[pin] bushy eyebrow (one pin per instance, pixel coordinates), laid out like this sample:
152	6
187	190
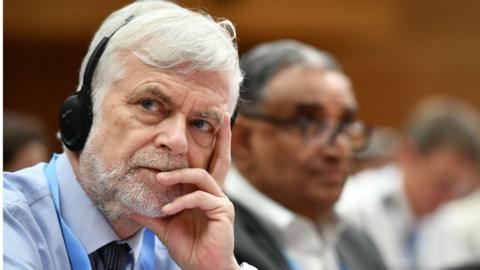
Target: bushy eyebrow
154	90
306	109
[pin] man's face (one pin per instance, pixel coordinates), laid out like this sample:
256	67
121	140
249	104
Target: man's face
444	174
299	171
150	121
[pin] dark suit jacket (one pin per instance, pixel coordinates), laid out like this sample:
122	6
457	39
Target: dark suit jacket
255	245
475	266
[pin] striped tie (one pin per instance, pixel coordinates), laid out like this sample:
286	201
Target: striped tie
114	256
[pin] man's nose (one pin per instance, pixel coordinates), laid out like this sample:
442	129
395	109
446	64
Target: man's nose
172	135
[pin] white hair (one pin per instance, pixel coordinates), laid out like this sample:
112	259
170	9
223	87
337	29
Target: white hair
167	36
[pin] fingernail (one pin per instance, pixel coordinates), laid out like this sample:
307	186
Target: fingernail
167	207
161	176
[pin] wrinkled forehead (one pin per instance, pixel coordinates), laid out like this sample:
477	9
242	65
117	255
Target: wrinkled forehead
127	67
133	70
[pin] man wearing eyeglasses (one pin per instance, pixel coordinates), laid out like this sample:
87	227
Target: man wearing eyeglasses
292	144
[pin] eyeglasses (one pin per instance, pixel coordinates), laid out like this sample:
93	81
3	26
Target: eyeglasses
355	133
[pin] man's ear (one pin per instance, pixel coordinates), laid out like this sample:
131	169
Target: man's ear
241	138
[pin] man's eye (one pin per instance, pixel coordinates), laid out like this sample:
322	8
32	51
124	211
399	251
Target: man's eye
149	104
202	125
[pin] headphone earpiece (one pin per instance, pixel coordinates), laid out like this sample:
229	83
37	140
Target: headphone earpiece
75	122
76	115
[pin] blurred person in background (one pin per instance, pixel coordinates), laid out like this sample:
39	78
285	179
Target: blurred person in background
292	147
24	141
381	149
397	205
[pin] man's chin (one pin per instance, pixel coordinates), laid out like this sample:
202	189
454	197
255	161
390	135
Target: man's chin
148	212
148	201
326	197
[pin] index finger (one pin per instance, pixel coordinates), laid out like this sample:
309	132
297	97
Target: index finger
221	156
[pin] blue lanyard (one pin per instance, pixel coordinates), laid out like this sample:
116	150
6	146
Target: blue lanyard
343	265
410	247
292	264
76	252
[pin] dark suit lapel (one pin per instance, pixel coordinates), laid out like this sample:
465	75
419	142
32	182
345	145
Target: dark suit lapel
357	251
254	244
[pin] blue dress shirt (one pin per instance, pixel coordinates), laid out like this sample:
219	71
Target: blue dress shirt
33	235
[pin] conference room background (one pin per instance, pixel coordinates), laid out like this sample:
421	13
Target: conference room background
395	51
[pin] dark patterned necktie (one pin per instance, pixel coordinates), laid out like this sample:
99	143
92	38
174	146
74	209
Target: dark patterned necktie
114	256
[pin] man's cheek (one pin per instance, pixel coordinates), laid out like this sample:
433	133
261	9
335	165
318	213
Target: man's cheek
203	159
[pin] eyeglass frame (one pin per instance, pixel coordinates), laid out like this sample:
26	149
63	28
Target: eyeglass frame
303	123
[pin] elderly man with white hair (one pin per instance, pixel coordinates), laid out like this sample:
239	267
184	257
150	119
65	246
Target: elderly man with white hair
146	149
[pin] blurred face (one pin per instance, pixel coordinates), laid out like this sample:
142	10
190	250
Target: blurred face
151	120
28	155
301	170
442	175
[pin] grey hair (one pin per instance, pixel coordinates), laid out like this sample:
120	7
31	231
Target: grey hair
445	121
167	36
261	63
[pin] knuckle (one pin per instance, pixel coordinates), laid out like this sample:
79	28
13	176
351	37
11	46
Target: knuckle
205	174
199	195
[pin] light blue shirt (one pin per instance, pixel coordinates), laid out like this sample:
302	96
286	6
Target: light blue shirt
32	233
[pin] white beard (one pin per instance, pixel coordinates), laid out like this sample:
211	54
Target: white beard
120	189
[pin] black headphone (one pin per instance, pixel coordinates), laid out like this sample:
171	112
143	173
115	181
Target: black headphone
76	114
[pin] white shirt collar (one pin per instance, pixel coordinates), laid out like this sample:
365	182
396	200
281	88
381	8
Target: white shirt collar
271	213
135	243
267	210
81	215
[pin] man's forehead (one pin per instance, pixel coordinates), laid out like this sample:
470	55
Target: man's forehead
181	76
304	85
